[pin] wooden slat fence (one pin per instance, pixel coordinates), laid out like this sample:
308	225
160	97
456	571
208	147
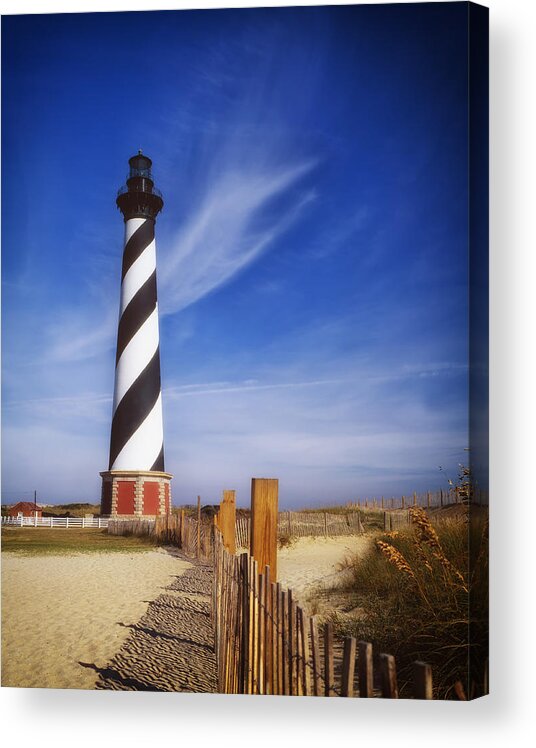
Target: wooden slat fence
193	537
305	524
266	644
426	499
396	519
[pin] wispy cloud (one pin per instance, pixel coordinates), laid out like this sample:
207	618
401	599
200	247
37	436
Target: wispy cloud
251	385
82	336
223	235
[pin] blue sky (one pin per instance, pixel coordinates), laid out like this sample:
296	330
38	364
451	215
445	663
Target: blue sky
312	251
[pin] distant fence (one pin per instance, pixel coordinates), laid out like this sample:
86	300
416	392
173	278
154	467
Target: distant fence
182	531
426	499
67	522
193	537
305	524
266	644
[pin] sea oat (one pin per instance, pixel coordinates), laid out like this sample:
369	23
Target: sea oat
395	557
426	535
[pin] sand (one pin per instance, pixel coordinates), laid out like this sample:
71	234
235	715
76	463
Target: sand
59	611
110	611
310	563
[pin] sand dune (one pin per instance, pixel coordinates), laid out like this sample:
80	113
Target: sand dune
58	611
310	562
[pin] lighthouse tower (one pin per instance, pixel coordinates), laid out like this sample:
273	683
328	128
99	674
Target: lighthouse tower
135	483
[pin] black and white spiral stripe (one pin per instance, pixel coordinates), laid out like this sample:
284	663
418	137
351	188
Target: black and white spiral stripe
137	436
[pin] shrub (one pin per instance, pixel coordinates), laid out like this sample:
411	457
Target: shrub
423	592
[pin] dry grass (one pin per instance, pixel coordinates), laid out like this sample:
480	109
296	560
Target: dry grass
423	594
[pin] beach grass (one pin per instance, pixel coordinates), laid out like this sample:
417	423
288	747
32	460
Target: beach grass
421	594
46	541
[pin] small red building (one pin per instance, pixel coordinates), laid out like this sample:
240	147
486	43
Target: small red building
24	509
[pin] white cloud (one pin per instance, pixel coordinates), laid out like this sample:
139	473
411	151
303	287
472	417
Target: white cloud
222	236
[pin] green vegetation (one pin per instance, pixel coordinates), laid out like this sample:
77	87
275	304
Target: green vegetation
335	509
72	510
412	593
63	510
44	541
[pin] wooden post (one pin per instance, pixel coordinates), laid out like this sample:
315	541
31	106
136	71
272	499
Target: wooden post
422	680
403	502
315	652
382	502
366	683
441	496
414	498
348	666
284	643
304	636
198	526
325	524
227	520
329	672
263	542
268	618
388	674
244	644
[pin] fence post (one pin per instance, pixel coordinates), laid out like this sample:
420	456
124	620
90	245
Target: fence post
263	541
388	674
403	502
366	681
348	666
422	680
414	498
227	520
325	524
441	496
329	673
199	526
99	524
67	522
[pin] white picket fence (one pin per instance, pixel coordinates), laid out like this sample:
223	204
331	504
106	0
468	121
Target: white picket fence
67	522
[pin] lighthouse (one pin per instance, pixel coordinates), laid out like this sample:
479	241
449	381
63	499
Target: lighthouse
136	483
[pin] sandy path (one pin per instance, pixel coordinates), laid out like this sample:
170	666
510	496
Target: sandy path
310	562
172	647
58	611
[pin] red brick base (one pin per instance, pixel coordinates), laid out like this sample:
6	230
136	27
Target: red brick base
132	493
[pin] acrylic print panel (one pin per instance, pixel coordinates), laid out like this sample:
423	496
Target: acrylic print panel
245	351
